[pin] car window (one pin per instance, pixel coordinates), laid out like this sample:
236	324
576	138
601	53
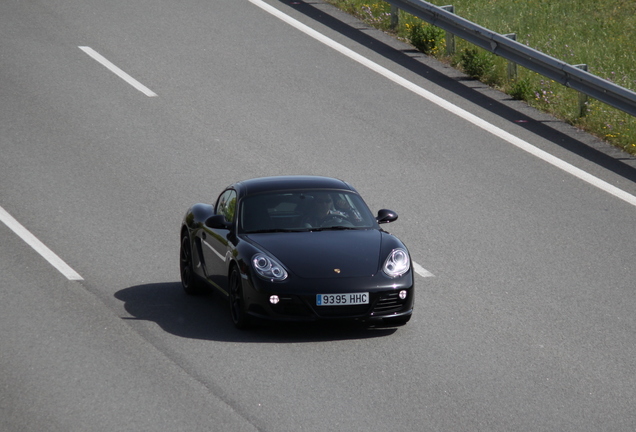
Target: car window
297	210
226	204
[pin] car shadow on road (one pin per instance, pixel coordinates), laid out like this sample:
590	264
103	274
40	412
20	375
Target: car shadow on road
207	317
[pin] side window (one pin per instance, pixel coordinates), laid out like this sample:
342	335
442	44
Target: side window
226	205
220	202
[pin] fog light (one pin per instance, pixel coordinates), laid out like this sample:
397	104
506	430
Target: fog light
402	294
274	299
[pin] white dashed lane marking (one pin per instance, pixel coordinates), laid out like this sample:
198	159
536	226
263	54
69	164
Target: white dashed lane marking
117	71
421	270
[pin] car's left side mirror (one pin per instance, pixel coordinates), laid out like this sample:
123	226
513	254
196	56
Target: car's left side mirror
386	216
218	222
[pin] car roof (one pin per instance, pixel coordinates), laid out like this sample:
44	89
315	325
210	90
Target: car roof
278	183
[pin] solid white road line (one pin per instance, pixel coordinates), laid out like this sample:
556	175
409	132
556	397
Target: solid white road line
524	145
39	247
117	71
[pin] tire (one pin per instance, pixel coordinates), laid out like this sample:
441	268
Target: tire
189	280
240	318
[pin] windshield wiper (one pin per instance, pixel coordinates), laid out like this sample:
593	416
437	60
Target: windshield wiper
335	228
275	230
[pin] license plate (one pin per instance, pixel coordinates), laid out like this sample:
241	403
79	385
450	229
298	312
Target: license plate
342	299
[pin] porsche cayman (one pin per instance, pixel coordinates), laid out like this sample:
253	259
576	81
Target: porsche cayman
297	248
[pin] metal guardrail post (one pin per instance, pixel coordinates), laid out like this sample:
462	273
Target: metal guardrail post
395	17
512	66
450	37
583	98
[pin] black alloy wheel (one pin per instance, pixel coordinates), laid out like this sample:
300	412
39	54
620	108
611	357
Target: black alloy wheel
240	318
189	281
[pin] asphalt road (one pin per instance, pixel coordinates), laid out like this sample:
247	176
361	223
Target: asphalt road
528	323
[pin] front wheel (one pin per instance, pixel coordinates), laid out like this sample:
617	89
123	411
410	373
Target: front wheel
240	318
189	280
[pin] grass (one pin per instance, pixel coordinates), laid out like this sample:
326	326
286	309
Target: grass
599	33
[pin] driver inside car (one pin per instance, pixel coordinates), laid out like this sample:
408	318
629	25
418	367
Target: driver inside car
321	212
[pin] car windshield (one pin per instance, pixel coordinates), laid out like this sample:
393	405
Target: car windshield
304	210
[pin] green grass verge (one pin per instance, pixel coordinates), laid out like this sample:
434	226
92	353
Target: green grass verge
599	33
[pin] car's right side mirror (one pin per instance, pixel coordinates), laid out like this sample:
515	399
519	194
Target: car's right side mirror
386	216
218	222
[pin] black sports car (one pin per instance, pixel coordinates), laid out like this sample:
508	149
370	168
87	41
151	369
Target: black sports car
297	248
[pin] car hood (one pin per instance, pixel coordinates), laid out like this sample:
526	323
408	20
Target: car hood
324	254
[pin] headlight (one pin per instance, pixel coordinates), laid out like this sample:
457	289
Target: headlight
397	263
268	268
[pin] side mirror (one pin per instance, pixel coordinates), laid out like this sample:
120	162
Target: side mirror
218	222
386	216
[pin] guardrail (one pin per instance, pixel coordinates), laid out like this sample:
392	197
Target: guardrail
550	67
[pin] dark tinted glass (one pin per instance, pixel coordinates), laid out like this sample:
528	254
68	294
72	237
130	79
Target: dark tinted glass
302	210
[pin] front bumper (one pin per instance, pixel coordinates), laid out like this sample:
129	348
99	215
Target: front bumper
297	301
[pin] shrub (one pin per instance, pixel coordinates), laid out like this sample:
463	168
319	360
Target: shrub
426	38
477	64
521	89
